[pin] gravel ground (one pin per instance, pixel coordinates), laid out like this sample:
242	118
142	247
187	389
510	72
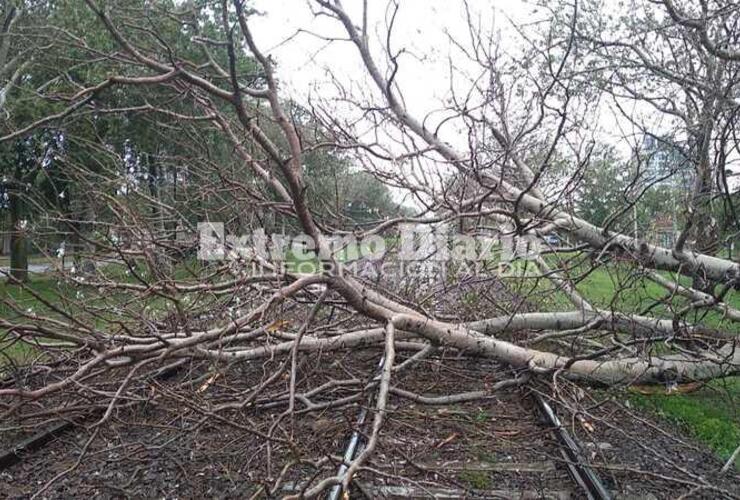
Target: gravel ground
171	447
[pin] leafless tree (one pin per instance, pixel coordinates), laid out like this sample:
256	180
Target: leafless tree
153	308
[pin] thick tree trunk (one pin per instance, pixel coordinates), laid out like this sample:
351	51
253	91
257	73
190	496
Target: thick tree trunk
82	218
6	243
18	239
625	371
87	265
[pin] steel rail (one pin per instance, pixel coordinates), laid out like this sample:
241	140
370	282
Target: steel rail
582	473
354	440
15	453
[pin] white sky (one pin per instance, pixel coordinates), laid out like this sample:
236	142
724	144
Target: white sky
420	29
304	60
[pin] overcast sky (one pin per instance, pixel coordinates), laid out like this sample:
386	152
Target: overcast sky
422	28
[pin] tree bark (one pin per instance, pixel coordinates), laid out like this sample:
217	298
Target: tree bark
18	240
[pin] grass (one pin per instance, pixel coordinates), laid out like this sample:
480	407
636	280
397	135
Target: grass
481	416
478	480
618	287
78	301
16	352
47	289
711	415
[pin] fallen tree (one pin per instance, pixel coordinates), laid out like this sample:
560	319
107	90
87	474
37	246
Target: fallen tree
243	149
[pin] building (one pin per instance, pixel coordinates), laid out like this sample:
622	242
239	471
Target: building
662	162
665	169
663	231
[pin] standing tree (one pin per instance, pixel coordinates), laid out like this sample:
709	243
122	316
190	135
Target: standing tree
682	84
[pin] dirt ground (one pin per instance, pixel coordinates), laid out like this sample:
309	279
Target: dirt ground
171	444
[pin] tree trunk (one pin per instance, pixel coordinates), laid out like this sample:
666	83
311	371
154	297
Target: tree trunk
171	224
5	250
159	227
704	234
6	243
18	240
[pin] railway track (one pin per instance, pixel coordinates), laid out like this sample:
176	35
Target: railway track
582	474
510	445
584	478
13	454
586	482
514	446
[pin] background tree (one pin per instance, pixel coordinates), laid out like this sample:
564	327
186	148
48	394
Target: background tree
646	57
175	93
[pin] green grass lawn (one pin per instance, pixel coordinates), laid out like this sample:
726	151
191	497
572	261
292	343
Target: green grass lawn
22	298
617	287
46	287
106	311
711	414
